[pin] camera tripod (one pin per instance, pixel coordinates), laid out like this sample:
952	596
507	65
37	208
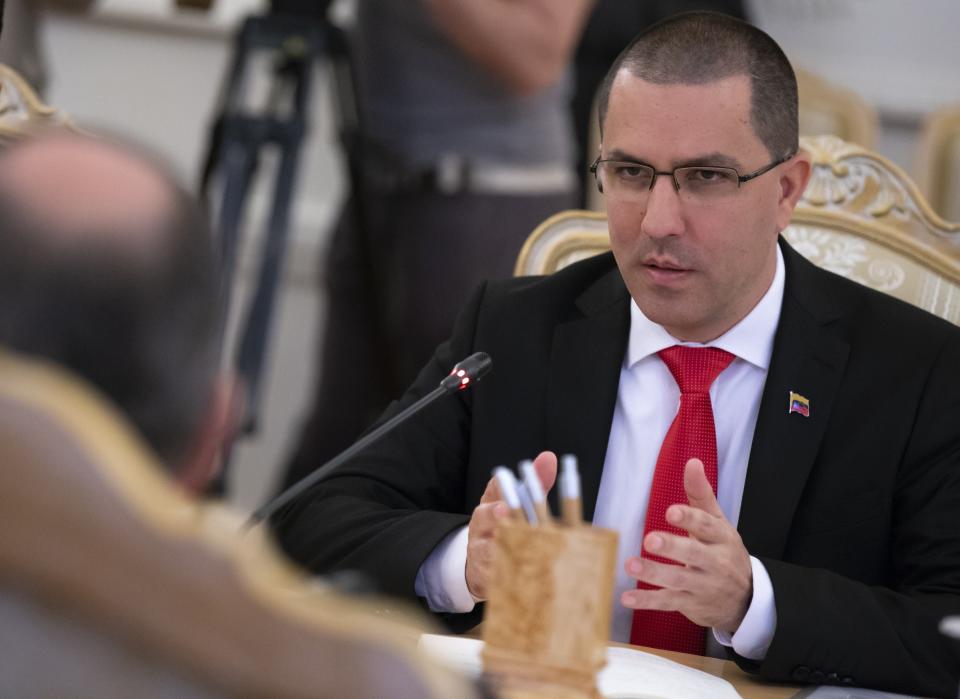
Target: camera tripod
238	141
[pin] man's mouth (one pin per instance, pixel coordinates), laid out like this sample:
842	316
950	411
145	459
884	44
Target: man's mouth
664	264
662	271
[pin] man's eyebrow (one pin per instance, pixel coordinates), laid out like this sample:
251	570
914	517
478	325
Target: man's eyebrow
617	154
714	159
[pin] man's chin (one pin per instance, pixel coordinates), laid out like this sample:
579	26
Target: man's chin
674	316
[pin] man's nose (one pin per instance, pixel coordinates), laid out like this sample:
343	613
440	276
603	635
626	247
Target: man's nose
663	215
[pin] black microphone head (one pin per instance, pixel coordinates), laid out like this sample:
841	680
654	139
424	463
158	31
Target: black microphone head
468	372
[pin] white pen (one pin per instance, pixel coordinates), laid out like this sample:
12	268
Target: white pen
570	500
509	490
531	482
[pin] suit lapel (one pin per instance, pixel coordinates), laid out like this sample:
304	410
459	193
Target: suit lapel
584	374
809	360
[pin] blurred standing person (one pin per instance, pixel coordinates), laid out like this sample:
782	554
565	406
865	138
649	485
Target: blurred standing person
468	145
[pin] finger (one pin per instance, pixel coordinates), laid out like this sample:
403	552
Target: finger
491	493
483	522
546	465
663	575
701	525
681	549
659	600
699	491
477	567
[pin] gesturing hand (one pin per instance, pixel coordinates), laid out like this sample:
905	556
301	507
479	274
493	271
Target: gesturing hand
713	584
483	525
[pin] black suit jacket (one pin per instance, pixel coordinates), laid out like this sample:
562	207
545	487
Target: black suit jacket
854	510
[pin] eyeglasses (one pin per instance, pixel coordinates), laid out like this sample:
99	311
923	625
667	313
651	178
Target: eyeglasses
632	182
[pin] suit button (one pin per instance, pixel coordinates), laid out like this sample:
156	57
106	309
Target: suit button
848	681
833	678
800	673
817	677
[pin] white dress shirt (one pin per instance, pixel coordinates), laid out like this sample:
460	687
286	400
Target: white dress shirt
647	402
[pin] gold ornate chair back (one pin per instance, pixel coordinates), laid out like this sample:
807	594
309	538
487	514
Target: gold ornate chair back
860	217
136	590
21	109
938	162
827	109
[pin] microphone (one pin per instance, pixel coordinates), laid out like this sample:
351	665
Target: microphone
464	374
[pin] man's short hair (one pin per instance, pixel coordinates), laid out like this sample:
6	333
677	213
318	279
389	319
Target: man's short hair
694	48
142	328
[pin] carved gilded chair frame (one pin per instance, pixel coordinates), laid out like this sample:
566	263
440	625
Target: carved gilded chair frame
940	138
21	110
856	121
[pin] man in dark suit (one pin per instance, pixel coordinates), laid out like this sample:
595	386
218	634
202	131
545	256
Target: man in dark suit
813	522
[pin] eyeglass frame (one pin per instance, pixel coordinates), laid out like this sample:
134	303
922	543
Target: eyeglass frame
673	173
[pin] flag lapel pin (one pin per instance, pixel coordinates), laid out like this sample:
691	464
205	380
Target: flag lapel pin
799	404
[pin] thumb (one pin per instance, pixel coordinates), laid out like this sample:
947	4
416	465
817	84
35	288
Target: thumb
546	465
492	492
699	491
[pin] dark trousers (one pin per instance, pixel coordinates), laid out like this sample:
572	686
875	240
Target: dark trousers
394	289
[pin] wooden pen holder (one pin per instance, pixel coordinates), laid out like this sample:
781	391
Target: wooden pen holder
547	618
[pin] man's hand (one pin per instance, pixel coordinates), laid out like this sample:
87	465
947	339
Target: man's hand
713	584
483	525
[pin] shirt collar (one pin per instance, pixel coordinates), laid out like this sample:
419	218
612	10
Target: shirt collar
751	339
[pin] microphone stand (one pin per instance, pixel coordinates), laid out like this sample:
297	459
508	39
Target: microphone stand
460	379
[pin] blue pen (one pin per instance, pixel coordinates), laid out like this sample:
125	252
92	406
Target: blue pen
531	482
509	489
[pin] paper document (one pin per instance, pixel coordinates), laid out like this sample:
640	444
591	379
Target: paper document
849	693
629	673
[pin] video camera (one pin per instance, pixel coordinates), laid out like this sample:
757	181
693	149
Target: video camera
302	8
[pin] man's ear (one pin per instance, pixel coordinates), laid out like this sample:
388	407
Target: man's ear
794	176
217	428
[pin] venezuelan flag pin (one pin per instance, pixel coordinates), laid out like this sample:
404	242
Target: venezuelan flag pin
799	404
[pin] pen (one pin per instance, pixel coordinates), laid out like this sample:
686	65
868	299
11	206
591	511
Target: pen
526	502
570	503
534	487
509	490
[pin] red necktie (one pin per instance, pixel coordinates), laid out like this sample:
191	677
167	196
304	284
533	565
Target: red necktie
691	435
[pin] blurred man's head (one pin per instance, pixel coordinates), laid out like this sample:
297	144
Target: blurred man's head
716	98
107	268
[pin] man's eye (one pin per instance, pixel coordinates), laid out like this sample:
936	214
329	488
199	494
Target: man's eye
634	175
707	176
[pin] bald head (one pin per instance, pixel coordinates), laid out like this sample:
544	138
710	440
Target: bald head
107	267
80	190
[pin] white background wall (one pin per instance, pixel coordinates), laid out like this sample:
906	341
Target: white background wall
142	68
901	56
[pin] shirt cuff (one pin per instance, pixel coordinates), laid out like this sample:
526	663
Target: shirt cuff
752	639
442	578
